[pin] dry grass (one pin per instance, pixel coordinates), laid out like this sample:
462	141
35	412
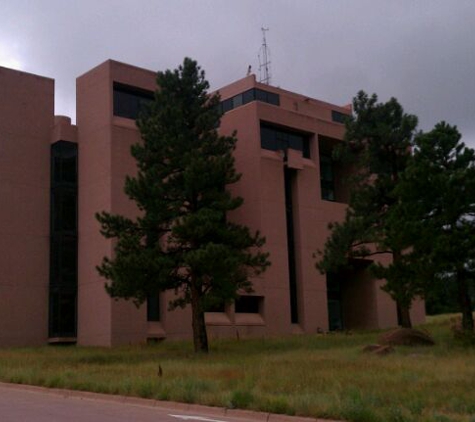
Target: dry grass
324	376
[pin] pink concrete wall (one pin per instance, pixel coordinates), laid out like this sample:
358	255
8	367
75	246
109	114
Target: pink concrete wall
262	187
94	102
26	122
129	324
104	160
104	142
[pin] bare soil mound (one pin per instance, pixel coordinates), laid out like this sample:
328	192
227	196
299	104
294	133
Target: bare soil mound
406	337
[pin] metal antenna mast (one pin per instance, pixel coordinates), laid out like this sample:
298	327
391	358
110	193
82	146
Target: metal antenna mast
264	60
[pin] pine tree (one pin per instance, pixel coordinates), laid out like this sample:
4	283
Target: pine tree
183	239
436	214
377	147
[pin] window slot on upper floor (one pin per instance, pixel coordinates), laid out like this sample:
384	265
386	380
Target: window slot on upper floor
327	178
253	94
129	101
339	117
276	138
64	163
333	175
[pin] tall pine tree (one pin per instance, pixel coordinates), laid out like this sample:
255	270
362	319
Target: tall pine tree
377	146
436	214
182	239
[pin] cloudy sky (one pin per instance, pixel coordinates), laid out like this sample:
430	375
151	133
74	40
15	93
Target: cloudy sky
419	51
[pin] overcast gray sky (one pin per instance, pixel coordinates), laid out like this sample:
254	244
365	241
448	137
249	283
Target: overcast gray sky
419	51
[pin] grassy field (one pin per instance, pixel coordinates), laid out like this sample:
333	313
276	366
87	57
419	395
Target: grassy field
324	376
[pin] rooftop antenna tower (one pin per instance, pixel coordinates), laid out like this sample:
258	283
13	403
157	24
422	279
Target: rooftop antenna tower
264	60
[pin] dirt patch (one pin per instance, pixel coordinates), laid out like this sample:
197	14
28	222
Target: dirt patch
378	349
371	348
406	337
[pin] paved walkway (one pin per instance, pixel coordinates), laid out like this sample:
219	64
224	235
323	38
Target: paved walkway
22	403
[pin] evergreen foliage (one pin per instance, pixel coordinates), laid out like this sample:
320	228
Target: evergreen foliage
436	215
182	239
377	147
412	197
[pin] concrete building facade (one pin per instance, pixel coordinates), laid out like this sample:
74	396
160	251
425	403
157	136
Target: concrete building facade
54	176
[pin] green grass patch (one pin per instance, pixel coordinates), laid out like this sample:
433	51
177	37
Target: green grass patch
324	376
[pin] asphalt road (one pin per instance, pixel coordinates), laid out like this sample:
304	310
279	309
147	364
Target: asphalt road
37	404
19	405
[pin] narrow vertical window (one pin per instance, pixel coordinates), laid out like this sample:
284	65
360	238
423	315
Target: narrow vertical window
289	177
327	178
153	307
63	241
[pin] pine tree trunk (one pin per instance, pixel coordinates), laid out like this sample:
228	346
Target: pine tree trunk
200	336
404	316
465	303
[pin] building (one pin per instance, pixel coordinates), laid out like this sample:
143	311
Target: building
55	175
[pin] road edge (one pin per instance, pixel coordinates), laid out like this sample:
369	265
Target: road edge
164	405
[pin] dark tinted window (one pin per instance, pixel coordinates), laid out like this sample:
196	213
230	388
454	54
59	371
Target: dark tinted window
248	304
237	100
275	138
248	96
267	97
63	240
69	167
295	141
261	95
227	105
339	117
130	101
64	162
64	211
69	255
153	307
268	139
327	178
334	298
63	258
306	147
62	308
273	98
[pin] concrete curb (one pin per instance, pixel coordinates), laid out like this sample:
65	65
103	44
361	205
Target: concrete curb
164	405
